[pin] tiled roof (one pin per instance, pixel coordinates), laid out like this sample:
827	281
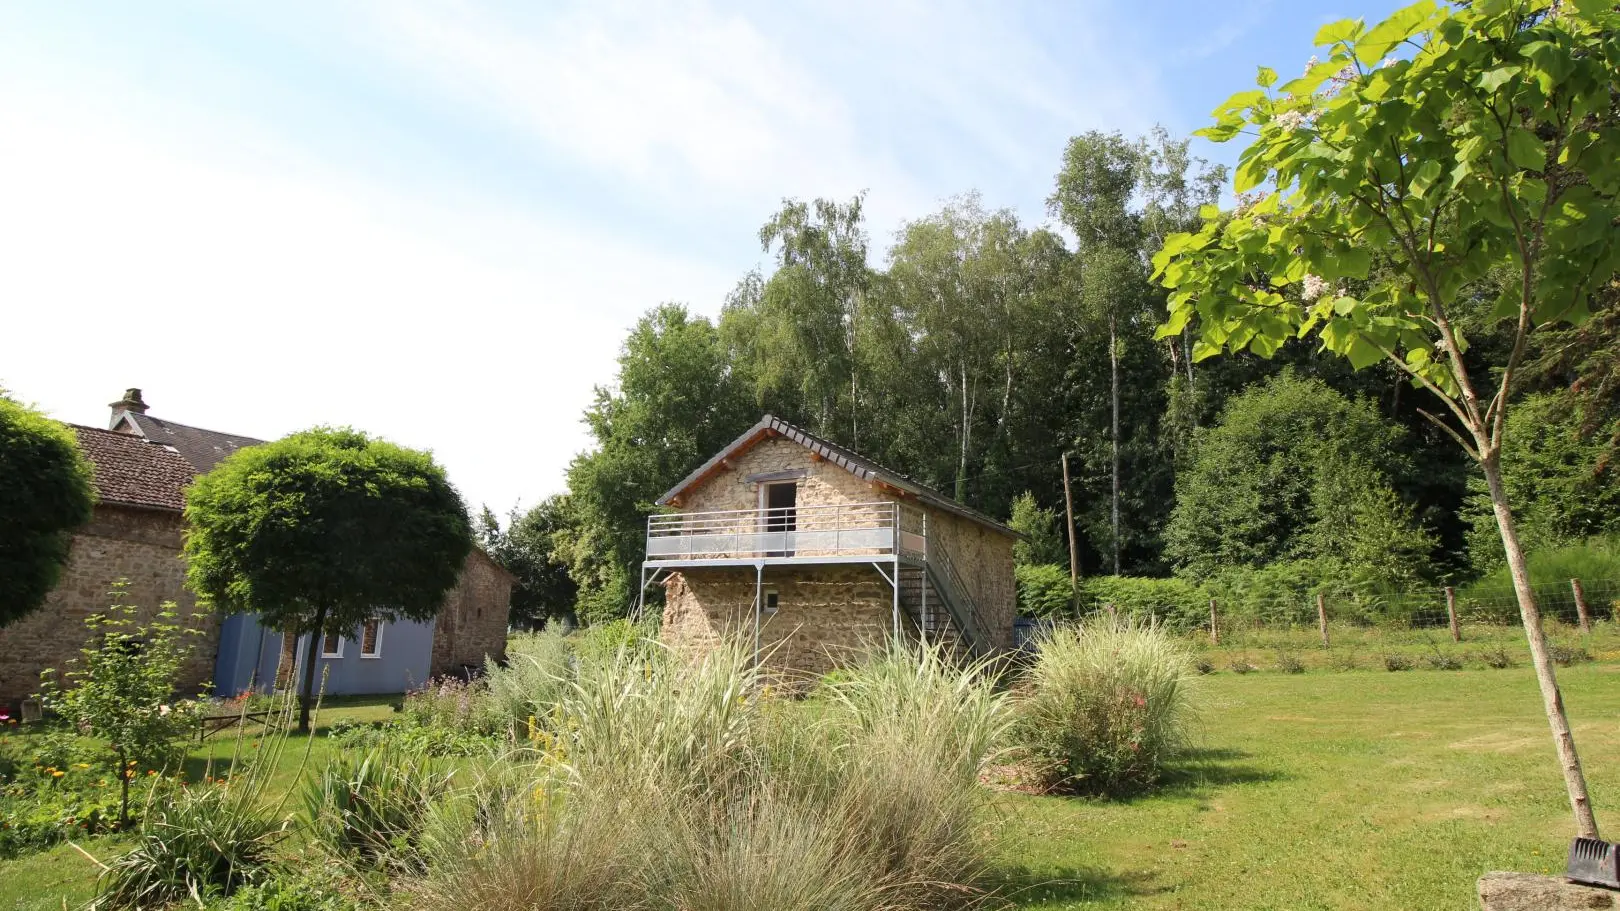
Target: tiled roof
202	448
852	462
134	472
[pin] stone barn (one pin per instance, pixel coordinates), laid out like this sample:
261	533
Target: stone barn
143	466
814	553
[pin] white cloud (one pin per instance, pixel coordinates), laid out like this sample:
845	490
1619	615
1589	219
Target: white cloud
261	298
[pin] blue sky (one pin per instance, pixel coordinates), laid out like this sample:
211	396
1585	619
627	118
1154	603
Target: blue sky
436	221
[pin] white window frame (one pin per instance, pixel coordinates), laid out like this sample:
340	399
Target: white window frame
338	652
765	601
376	647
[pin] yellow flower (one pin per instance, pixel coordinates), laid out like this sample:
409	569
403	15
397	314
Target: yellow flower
57	774
81	765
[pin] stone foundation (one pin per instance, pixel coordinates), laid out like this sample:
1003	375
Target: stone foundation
826	615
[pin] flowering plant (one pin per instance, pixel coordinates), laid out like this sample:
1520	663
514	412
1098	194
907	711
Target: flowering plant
121	689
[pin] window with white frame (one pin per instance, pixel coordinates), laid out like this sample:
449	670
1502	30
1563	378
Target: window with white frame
331	646
772	600
371	635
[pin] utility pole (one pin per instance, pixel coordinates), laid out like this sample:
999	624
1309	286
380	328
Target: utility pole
1074	552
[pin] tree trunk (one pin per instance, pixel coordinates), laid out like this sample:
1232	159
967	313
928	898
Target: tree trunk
1568	759
1113	387
311	656
962	456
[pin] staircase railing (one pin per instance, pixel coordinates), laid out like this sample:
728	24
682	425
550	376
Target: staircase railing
954	592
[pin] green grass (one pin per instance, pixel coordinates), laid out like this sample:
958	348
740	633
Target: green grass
1364	647
1327	790
1331	791
62	877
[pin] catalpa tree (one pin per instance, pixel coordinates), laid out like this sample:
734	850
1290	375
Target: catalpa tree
1450	167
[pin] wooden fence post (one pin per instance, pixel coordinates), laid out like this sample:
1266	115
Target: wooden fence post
1321	617
1214	625
1580	606
1451	612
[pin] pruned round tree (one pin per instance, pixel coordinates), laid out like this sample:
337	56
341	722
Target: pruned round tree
321	530
46	491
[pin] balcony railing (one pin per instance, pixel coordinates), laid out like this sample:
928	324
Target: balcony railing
840	530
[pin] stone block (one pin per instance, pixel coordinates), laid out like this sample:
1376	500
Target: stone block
1530	892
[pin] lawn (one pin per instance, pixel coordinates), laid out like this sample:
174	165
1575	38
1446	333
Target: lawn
1325	790
1331	791
62	877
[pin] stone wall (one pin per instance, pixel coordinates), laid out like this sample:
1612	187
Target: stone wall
141	546
981	555
826	615
473	622
984	558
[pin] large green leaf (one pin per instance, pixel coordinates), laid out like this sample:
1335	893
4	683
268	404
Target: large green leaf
1384	36
1491	80
1335	32
1266	78
1525	150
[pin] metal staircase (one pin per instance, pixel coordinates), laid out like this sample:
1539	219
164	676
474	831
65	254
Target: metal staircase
937	602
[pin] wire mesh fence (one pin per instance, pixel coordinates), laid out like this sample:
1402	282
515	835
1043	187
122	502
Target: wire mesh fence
1441	625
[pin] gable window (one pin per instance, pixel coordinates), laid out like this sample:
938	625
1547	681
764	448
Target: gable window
331	646
371	638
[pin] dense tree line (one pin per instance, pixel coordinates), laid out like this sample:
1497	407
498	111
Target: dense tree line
979	349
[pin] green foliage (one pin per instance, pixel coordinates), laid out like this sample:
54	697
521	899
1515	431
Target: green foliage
1173	602
201	841
207	841
289	891
46	491
675	783
1106	705
675	403
527	548
1044	590
533	681
1043	540
1550	570
323	529
1294	469
50	796
1558	476
1477	163
326	520
122	689
370	807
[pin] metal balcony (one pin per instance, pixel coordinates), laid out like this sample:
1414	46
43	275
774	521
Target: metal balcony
821	534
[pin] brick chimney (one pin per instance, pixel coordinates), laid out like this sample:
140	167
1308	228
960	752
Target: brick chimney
131	403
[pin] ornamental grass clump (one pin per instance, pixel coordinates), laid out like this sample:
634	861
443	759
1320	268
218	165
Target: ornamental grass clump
369	807
673	782
1105	705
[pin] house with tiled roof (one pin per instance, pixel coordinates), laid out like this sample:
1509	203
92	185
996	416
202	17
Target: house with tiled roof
142	466
814	553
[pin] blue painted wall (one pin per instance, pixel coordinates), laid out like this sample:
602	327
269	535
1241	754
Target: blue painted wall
248	654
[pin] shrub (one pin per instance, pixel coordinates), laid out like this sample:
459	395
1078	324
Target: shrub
1106	704
288	892
1288	663
1498	658
1241	666
203	841
1397	662
1442	661
1491	599
1567	655
1343	661
1204	666
1174	602
370	807
206	841
1044	590
408	736
121	689
532	682
601	641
